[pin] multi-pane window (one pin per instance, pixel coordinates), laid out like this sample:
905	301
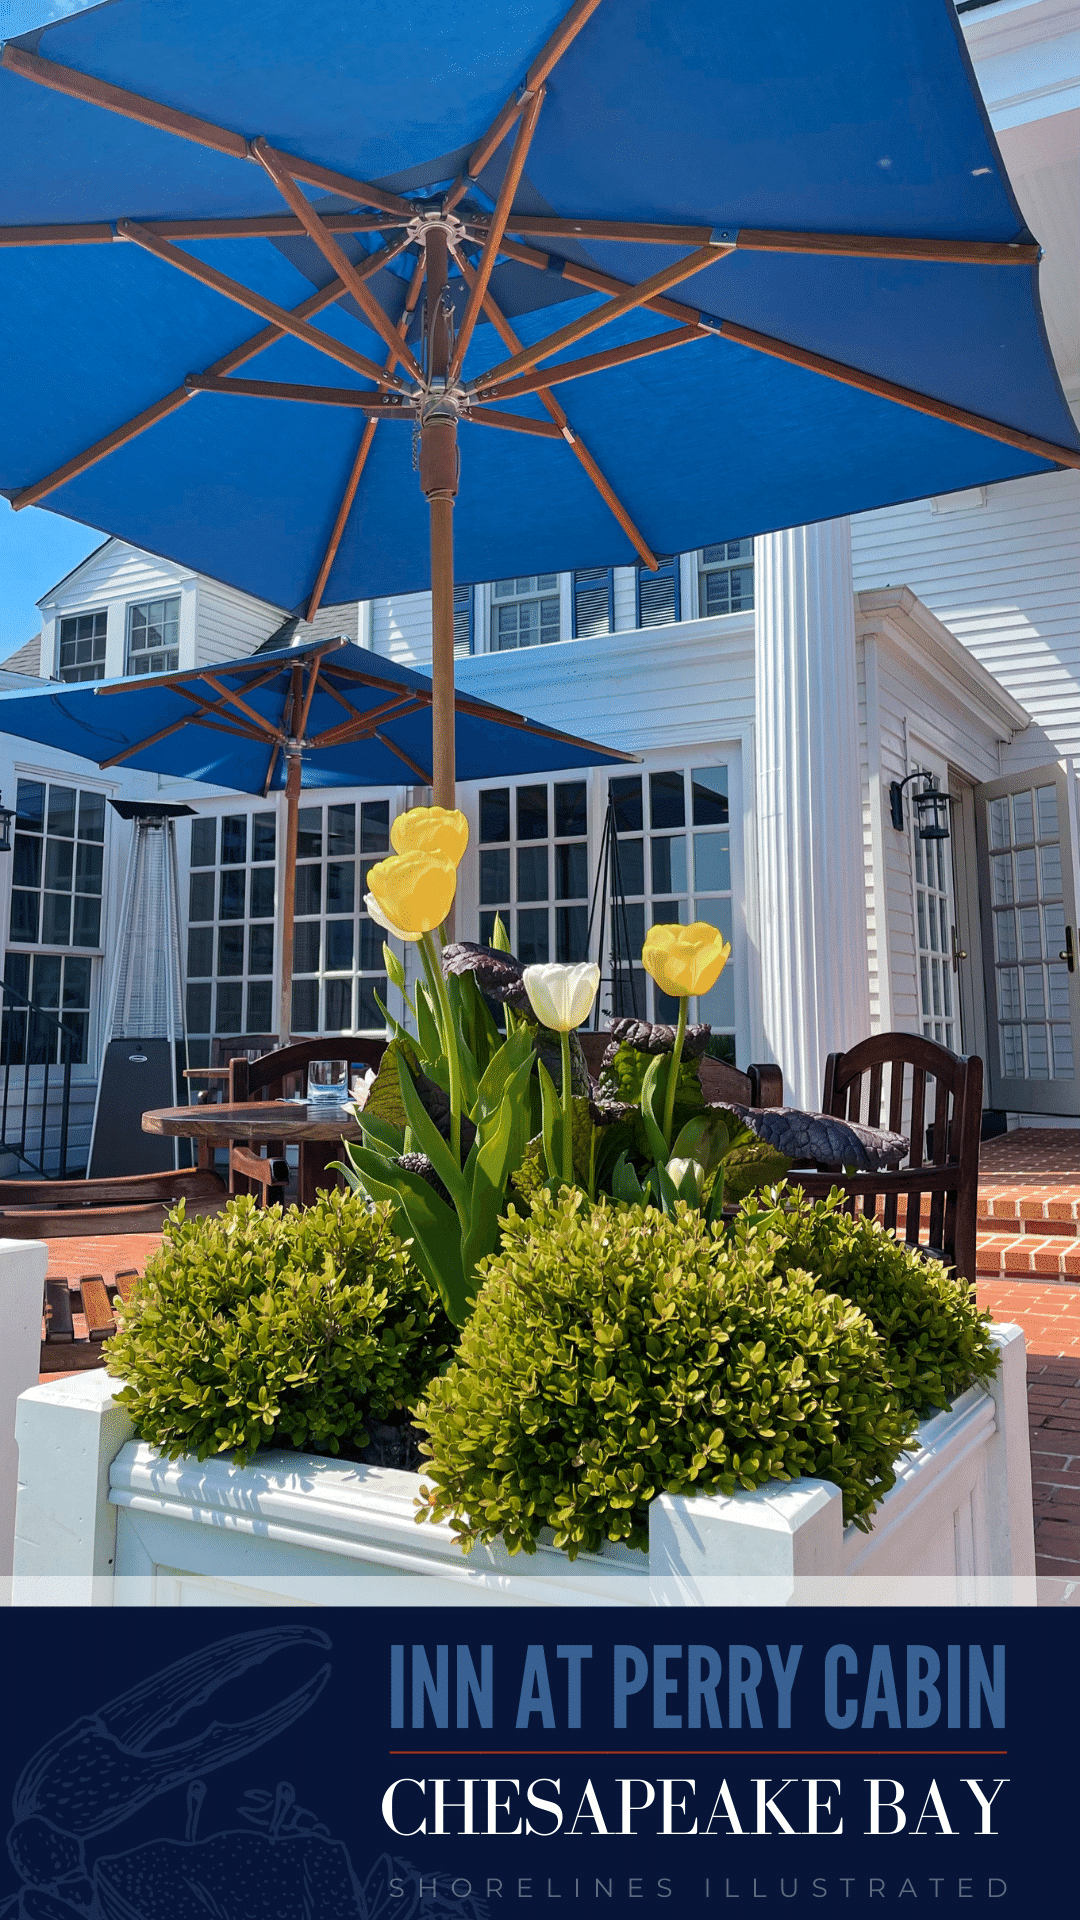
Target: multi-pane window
337	950
658	593
463	621
153	636
230	945
594	602
82	646
57	870
525	611
1028	903
55	984
726	577
534	868
674	859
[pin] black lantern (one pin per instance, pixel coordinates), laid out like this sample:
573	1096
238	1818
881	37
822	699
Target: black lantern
7	815
931	807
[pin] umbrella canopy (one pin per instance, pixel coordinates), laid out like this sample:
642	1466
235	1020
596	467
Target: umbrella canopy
322	714
690	283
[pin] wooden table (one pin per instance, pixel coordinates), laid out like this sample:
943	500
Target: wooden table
317	1130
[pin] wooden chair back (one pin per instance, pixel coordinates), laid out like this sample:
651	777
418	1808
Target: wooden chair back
128	1203
264	1079
913	1086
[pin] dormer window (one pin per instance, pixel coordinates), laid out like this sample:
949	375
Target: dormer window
82	646
153	636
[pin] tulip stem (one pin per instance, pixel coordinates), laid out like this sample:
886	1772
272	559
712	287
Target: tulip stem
673	1070
567	1115
433	969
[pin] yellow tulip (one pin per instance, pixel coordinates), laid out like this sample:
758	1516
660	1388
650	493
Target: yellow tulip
414	890
684	960
440	830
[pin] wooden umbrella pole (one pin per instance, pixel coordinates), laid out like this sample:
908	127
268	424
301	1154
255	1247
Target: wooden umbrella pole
288	895
439	483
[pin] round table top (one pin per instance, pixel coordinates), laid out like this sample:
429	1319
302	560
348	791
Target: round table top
258	1120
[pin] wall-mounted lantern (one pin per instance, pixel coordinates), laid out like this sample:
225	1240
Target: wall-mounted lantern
931	807
7	815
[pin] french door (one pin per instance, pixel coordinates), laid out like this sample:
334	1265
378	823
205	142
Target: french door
1025	830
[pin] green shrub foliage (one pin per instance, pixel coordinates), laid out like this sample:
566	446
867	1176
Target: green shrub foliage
936	1341
276	1328
617	1352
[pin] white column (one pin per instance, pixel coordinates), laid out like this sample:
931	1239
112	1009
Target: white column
815	993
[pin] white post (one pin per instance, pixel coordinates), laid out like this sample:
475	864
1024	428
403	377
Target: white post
69	1434
23	1265
815	992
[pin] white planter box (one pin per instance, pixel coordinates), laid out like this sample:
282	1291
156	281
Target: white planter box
102	1519
23	1265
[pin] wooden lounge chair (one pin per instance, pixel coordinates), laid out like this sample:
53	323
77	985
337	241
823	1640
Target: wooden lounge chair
132	1203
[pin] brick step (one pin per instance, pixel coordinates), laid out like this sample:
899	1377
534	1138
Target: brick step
1031	1256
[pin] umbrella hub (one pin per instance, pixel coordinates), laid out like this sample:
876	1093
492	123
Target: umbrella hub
429	218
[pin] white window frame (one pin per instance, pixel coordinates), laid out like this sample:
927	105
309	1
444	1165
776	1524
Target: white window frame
533	595
701	569
76	677
131	607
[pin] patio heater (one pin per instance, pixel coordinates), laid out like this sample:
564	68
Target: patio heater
144	1054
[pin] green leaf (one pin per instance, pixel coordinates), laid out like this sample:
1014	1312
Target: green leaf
625	1184
384	1096
504	1064
395	970
500	939
551	1128
380	1133
497	1153
653	1088
433	1226
430	1039
397	1030
429	1139
705	1139
716	1198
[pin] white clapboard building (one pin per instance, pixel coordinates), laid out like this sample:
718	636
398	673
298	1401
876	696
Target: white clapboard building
774	690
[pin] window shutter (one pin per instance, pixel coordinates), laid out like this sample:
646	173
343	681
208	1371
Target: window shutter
594	595
463	620
658	593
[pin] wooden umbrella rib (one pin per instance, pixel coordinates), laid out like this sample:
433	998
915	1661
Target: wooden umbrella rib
185	681
175	726
353	482
480	710
422	773
553	407
302	208
567	30
565	370
859	246
362	191
905	396
255	226
353	397
630	297
590	277
513	423
364	724
272	763
365	679
255	303
510	182
257	719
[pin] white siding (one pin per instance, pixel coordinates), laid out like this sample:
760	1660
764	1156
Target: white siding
401	629
625	598
1004	577
686	683
230	625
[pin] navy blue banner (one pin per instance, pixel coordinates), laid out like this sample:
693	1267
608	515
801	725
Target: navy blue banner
386	1764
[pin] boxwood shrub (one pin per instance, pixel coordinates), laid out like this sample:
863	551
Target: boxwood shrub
288	1327
615	1353
936	1341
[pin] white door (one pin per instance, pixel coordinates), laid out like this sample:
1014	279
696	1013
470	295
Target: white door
1026	844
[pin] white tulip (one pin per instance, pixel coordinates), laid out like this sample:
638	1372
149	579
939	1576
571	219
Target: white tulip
375	912
683	1173
562	997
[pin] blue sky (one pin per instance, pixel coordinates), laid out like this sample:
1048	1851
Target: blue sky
36	548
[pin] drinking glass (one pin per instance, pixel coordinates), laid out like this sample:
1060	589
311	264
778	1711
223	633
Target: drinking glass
328	1083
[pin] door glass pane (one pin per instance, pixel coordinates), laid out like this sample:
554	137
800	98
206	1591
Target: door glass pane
1029	996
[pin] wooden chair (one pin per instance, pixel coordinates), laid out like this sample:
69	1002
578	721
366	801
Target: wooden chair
939	1184
267	1174
759	1086
133	1203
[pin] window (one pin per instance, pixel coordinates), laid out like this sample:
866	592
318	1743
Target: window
726	578
525	612
82	646
594	602
57	867
463	621
658	593
672	835
153	636
337	950
56	984
534	868
230	941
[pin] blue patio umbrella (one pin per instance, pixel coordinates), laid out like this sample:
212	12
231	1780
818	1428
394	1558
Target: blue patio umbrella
675	273
322	714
